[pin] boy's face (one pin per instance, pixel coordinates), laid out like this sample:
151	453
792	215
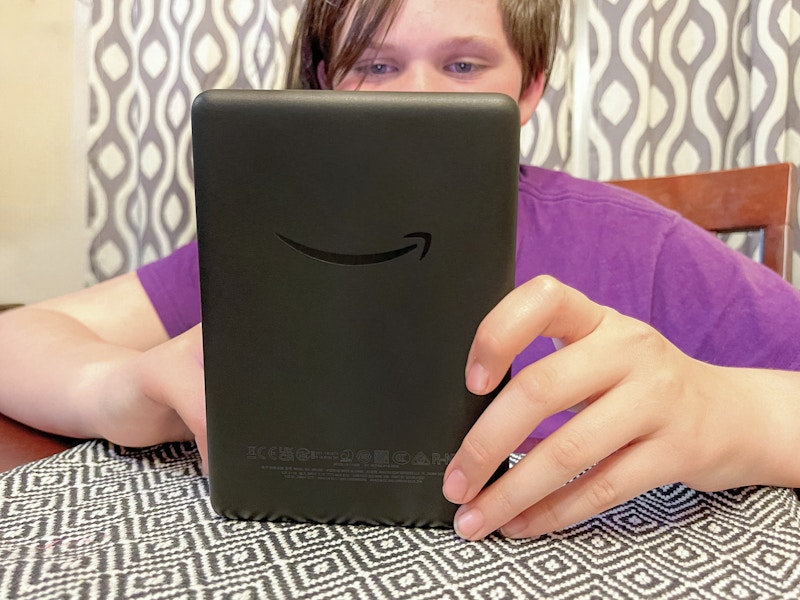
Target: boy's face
444	46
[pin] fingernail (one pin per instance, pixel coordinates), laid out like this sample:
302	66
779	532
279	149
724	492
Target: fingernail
455	487
478	378
468	523
515	527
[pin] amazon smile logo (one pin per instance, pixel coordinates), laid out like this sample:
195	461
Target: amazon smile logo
352	260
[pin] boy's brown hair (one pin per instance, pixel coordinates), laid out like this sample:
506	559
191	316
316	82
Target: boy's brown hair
532	27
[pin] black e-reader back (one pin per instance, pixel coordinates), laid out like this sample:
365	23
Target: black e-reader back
350	243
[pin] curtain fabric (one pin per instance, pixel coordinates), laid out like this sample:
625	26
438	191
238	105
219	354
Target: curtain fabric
639	88
150	59
685	86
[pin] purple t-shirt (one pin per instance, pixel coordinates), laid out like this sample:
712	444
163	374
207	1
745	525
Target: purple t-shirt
633	255
622	251
173	285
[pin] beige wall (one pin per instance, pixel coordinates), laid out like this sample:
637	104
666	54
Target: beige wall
44	48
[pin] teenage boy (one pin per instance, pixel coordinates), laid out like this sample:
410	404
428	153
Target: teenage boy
683	351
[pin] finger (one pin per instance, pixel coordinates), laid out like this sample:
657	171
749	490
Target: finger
550	385
586	440
190	403
180	387
625	475
199	425
542	306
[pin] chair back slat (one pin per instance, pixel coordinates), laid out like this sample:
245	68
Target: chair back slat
751	198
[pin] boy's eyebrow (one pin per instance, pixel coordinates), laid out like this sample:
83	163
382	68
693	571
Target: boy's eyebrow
469	42
462	43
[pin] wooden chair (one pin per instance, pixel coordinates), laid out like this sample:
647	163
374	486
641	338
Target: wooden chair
747	199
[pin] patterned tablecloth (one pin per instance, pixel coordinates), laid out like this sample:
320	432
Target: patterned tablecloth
99	521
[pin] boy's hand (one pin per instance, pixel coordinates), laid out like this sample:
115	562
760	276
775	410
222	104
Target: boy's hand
166	397
654	416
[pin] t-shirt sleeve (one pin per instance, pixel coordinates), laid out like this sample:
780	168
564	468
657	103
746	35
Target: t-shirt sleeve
722	307
173	286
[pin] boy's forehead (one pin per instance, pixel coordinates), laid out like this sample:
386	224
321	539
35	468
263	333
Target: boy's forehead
455	16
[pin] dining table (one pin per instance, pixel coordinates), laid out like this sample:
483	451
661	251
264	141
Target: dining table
90	519
20	444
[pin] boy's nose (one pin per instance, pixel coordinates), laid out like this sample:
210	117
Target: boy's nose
421	79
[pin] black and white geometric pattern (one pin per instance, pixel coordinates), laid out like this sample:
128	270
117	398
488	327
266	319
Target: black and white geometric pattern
100	521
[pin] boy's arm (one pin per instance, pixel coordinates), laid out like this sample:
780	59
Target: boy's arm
98	363
117	310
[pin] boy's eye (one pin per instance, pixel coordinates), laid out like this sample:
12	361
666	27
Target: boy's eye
462	68
378	69
370	69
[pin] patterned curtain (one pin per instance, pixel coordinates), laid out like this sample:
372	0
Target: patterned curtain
151	59
672	86
684	86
